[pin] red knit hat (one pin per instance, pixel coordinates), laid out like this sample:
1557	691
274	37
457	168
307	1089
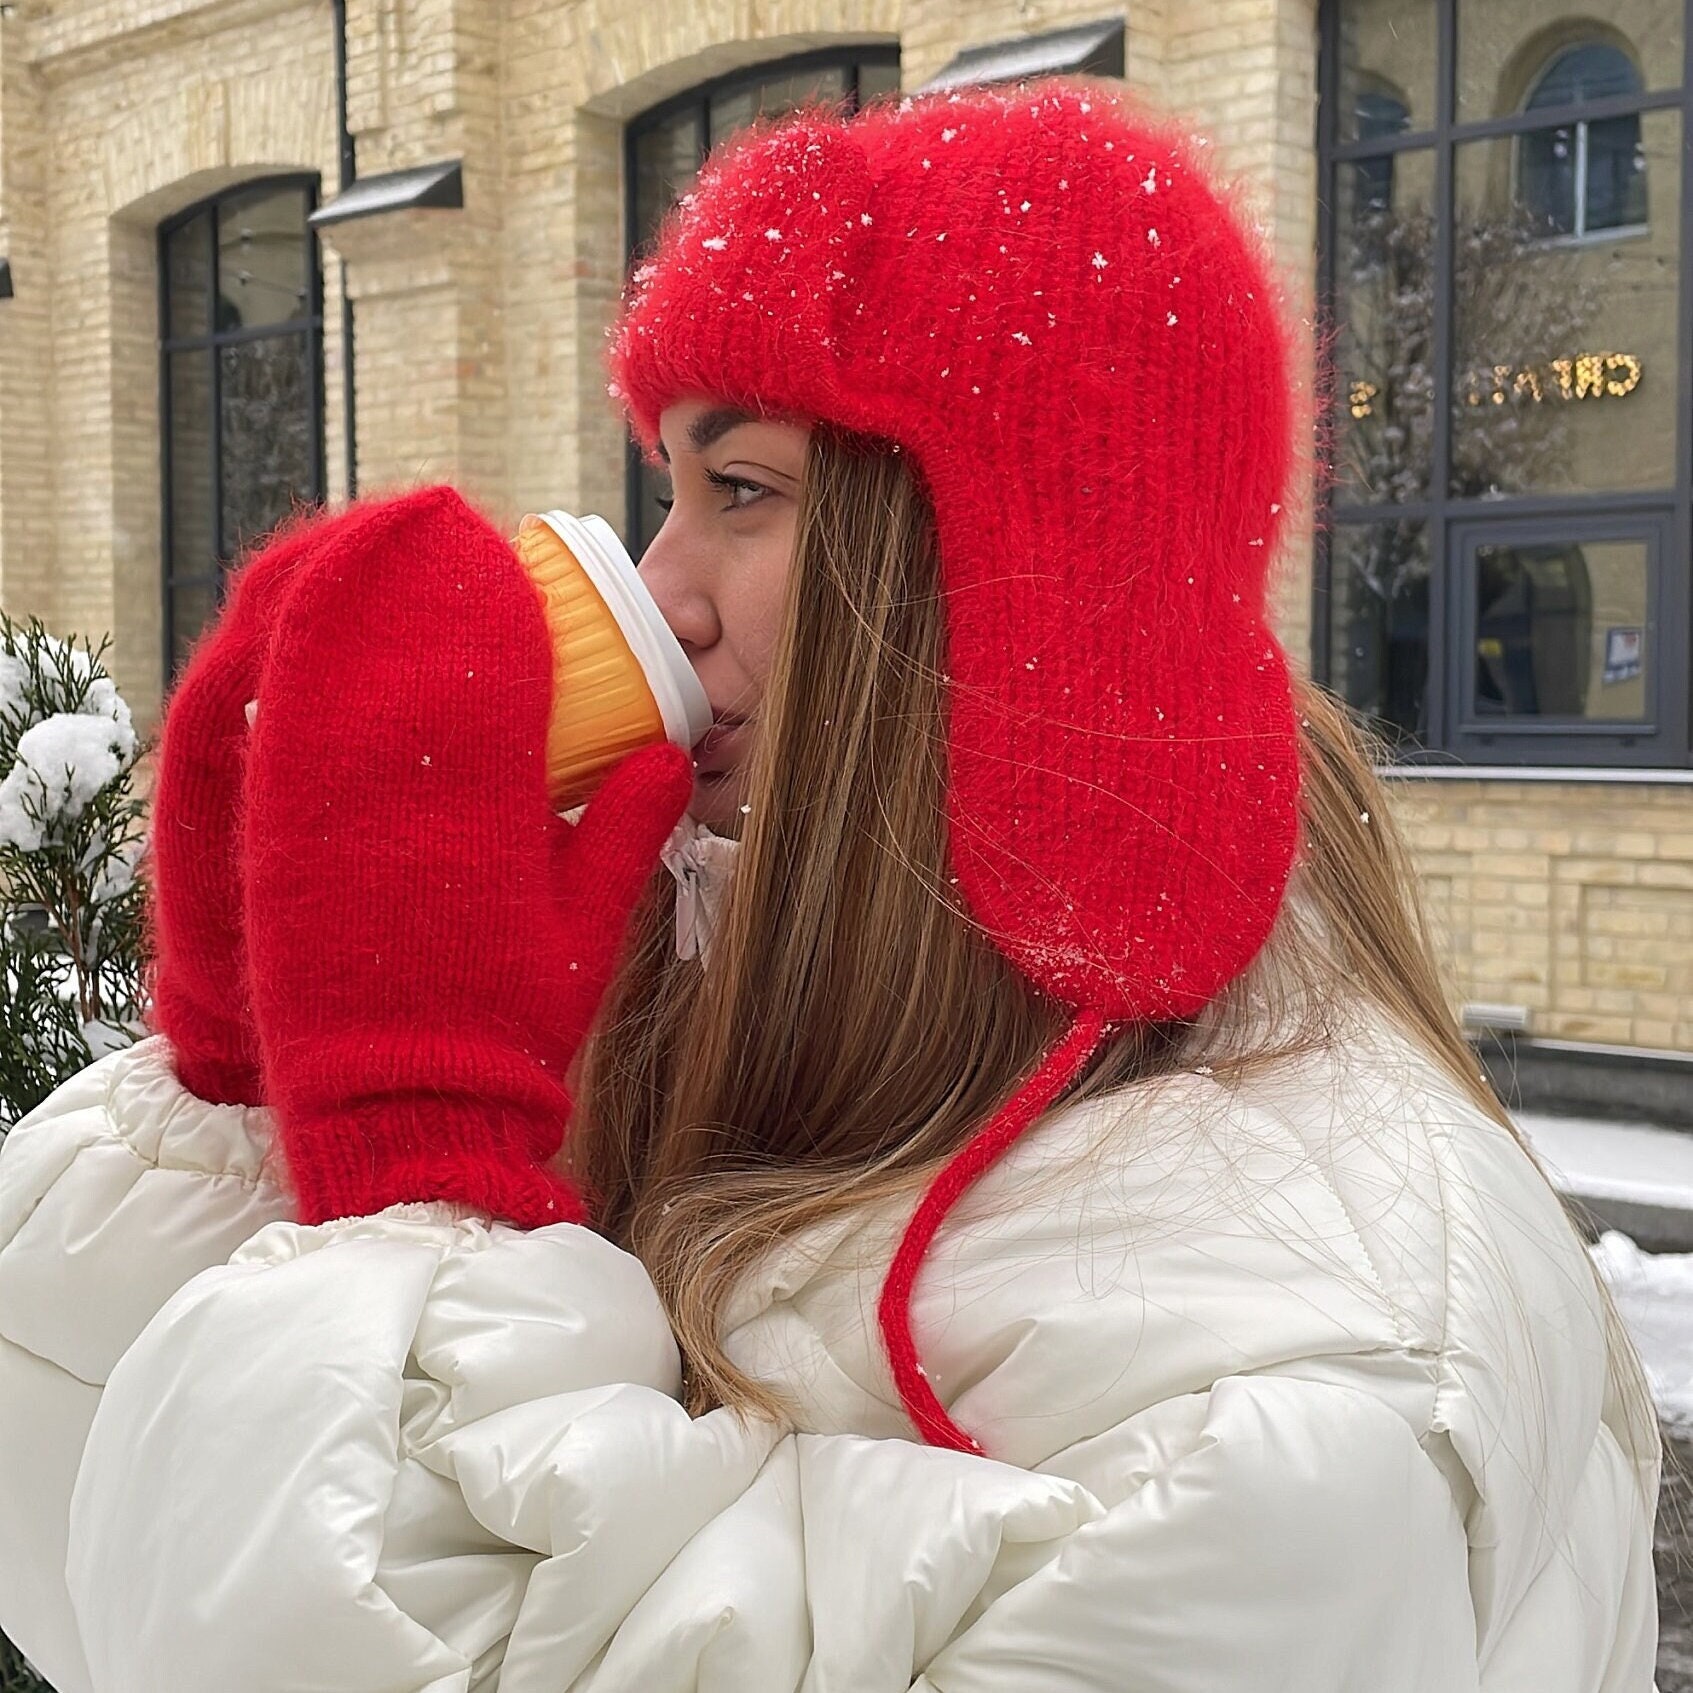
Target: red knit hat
1036	295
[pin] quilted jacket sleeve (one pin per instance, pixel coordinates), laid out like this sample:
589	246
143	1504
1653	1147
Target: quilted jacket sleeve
1276	1533
114	1192
414	1452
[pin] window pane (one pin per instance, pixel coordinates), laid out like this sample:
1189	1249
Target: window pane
876	80
1387	63
1378	629
1613	189
1561	630
1564	350
1513	54
193	508
268	417
738	108
192	607
188	277
1546	179
667	157
1384	305
264	260
1593	70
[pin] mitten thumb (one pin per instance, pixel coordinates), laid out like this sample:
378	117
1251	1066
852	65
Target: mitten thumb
603	863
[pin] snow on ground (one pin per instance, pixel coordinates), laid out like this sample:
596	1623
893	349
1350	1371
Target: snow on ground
1654	1294
1619	1161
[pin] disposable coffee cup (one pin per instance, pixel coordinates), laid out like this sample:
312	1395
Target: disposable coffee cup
624	681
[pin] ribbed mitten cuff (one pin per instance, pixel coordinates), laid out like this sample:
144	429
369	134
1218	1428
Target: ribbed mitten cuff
357	1162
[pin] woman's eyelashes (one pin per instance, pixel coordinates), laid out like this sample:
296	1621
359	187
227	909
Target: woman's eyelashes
739	491
735	487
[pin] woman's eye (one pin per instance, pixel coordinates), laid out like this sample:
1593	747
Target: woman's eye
663	501
741	492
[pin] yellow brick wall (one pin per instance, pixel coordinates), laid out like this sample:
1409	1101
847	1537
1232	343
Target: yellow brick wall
480	338
1572	899
27	530
133	112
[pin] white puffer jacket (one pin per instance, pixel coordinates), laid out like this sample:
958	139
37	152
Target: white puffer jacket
1297	1385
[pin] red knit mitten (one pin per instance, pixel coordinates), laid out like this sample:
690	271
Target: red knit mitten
430	944
199	953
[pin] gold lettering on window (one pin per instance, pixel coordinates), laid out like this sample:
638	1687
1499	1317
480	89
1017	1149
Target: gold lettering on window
1579	376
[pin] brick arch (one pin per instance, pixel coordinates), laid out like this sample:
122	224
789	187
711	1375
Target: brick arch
211	136
643	55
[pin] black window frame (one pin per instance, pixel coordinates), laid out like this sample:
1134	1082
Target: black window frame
850	57
1475	737
1448	519
212	340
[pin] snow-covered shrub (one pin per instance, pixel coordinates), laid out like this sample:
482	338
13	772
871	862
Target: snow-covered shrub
71	835
70	904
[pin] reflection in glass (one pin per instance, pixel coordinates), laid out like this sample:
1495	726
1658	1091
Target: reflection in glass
1564	352
1378	624
266	415
876	80
1378	114
1387	59
649	514
1561	630
192	605
1513	53
264	259
1583	178
193	507
667	158
1384	309
188	277
737	108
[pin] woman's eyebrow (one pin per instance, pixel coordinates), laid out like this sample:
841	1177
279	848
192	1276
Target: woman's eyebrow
710	427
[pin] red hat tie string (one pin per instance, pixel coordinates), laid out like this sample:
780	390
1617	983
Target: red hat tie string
1062	1064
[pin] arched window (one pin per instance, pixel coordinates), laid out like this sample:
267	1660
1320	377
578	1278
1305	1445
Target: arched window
240	386
1377	114
1584	177
664	149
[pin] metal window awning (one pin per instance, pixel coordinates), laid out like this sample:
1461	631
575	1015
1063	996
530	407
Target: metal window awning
5	279
1094	49
440	185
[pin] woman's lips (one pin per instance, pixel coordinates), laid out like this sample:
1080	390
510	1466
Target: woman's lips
717	750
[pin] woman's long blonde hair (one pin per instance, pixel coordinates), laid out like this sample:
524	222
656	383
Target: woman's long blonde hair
858	1027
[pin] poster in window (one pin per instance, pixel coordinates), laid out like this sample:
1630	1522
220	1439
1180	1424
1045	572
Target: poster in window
1622	654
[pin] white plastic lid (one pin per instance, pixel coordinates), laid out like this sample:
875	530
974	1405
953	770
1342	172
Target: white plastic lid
676	689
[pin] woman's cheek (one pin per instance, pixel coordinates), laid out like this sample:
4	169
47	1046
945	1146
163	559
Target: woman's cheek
764	600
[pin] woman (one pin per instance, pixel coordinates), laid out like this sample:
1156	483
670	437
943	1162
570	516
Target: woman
1064	1241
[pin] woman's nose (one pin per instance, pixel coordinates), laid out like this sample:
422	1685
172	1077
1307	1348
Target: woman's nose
678	576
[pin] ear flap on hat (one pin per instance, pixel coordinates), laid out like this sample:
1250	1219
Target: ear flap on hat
1038	297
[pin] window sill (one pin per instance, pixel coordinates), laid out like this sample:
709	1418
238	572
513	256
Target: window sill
1591	237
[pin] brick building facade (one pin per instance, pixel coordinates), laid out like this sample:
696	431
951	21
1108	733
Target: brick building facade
150	146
